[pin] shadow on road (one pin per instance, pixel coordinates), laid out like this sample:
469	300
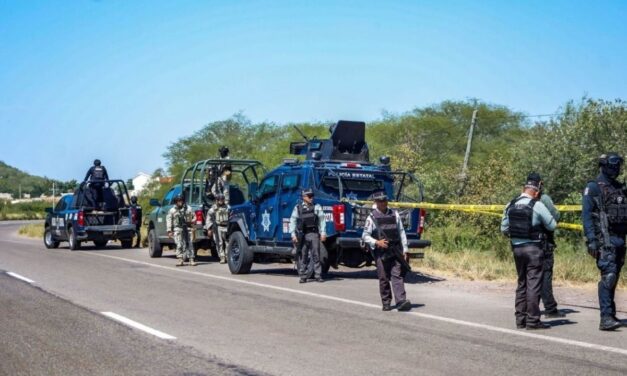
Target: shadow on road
560	322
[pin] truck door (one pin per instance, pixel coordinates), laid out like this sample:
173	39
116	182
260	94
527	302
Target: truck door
163	210
267	218
57	220
288	198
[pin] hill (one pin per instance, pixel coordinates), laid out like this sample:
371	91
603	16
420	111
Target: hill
13	179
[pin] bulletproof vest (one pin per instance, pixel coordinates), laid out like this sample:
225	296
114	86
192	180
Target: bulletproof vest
387	227
521	220
179	218
615	203
98	173
308	218
222	215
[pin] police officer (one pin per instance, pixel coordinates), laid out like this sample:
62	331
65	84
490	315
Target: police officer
548	299
308	229
139	216
97	176
217	225
221	185
382	231
178	223
525	221
604	215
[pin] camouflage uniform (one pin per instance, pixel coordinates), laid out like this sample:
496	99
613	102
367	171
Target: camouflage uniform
217	221
177	222
222	187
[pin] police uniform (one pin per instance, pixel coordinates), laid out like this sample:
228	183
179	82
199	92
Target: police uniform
308	219
387	226
547	297
97	175
525	220
177	222
138	225
218	221
605	196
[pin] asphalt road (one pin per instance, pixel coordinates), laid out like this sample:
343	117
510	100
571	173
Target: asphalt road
266	322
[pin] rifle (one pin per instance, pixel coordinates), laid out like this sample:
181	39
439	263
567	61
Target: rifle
393	250
604	226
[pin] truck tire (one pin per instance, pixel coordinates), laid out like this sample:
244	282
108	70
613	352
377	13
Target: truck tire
238	254
154	247
49	241
71	238
100	243
127	243
324	258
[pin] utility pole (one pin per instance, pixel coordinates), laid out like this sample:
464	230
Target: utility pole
464	174
20	191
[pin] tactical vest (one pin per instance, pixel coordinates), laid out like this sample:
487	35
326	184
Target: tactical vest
615	203
387	227
308	218
178	220
222	215
98	173
521	220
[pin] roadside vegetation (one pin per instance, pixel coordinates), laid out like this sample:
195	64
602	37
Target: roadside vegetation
430	142
22	211
32	230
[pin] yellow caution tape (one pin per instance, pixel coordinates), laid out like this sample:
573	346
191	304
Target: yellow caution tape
464	207
493	210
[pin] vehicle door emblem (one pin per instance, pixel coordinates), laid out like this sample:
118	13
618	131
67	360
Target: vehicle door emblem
265	220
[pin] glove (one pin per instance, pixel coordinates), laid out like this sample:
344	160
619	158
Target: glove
593	249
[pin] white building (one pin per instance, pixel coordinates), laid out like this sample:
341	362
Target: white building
139	183
6	196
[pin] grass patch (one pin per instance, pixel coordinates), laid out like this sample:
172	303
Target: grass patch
32	230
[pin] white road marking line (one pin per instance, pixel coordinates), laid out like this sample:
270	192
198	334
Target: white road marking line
520	333
15	275
136	325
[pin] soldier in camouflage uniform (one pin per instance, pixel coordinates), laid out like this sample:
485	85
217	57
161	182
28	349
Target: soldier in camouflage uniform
222	184
178	223
217	225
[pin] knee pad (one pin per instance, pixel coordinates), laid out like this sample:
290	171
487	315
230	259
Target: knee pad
608	280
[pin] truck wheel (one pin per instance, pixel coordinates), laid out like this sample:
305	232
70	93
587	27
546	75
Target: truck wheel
100	243
239	255
154	247
49	241
127	243
71	237
324	258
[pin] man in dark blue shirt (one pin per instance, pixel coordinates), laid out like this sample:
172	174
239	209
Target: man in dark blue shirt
97	175
604	212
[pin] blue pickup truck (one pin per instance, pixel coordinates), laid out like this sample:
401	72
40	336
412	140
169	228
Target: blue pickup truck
77	217
339	171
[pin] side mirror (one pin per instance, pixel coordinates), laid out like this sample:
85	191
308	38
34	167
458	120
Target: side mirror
154	202
48	210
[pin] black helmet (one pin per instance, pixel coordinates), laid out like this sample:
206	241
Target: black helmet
178	198
610	164
134	199
97	162
224	151
220	197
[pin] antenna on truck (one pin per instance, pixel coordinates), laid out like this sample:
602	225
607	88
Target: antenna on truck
301	133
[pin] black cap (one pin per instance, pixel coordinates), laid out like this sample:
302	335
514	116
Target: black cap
307	192
220	196
178	198
380	196
97	162
534	176
611	158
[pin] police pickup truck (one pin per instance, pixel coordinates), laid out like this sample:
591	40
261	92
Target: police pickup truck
195	187
78	217
338	170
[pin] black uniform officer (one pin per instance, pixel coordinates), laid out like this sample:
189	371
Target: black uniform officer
138	224
97	175
604	215
525	221
308	229
384	231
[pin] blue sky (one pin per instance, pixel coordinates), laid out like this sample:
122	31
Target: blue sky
120	80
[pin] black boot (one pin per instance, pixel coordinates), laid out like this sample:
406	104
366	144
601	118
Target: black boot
405	305
554	314
609	323
538	326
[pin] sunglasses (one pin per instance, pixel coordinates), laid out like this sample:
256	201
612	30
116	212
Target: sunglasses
614	160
